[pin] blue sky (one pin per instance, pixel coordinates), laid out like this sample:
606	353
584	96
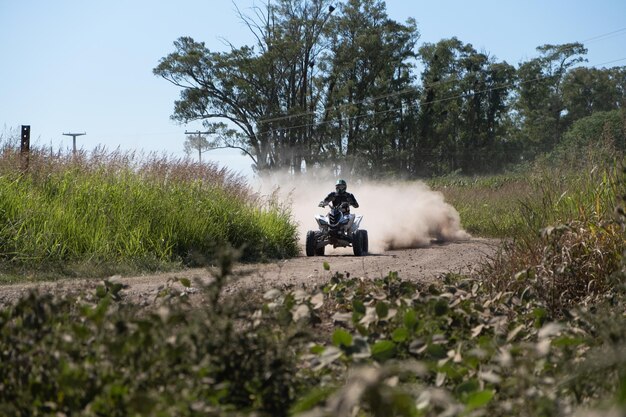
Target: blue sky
70	65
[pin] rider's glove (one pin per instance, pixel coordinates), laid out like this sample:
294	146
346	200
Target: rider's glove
322	204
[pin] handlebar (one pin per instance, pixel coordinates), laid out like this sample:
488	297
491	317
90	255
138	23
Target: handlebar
343	205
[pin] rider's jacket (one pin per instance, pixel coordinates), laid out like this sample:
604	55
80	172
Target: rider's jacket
337	198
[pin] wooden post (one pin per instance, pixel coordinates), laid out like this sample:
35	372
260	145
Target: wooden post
25	147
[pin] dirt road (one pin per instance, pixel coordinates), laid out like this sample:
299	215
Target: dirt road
413	264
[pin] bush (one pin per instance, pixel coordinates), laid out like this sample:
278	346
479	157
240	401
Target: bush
95	355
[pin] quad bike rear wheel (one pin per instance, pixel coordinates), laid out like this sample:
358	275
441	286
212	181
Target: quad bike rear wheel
366	243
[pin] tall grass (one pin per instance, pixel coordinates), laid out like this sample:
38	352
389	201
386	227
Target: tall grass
562	241
488	206
114	207
572	243
532	198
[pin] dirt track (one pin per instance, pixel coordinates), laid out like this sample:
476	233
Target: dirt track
414	264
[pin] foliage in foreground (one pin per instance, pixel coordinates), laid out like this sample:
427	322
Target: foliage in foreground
378	347
109	208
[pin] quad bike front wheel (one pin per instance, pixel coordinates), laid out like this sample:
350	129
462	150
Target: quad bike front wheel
311	243
360	244
311	248
319	251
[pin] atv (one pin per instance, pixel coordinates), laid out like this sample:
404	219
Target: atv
338	228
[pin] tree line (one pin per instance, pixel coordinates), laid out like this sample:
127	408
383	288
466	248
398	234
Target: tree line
345	86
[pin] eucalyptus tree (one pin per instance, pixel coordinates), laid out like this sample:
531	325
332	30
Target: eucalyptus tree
464	103
217	85
263	90
369	89
315	85
539	102
590	90
221	136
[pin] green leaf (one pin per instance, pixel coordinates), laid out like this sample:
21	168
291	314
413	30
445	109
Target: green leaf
466	388
185	282
342	338
358	306
382	310
361	329
567	341
400	334
314	397
316	349
441	307
101	291
541	315
621	392
478	399
326	266
410	319
383	350
436	351
113	288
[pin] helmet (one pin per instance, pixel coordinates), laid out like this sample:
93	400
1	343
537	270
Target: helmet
341	186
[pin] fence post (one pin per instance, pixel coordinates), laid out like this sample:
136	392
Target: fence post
25	147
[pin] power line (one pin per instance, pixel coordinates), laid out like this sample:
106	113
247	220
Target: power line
611	62
604	36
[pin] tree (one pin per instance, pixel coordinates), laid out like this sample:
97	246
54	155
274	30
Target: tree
223	137
463	109
264	92
539	103
367	89
590	90
299	95
218	85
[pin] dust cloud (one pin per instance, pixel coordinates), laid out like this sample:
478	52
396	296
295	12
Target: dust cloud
396	215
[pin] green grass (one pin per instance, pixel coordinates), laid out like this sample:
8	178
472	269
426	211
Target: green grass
488	206
522	203
110	209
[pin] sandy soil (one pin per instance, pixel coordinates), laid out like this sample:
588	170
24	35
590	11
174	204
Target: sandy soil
422	264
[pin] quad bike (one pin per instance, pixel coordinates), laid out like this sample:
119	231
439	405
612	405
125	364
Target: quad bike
337	228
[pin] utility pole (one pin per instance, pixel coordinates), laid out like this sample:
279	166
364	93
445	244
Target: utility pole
197	132
73	135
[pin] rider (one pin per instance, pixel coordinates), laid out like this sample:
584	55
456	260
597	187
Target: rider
343	199
339	196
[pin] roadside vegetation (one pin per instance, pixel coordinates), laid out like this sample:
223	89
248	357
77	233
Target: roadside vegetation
531	197
538	330
103	212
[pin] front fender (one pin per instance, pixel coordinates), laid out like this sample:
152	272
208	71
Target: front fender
357	222
321	221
